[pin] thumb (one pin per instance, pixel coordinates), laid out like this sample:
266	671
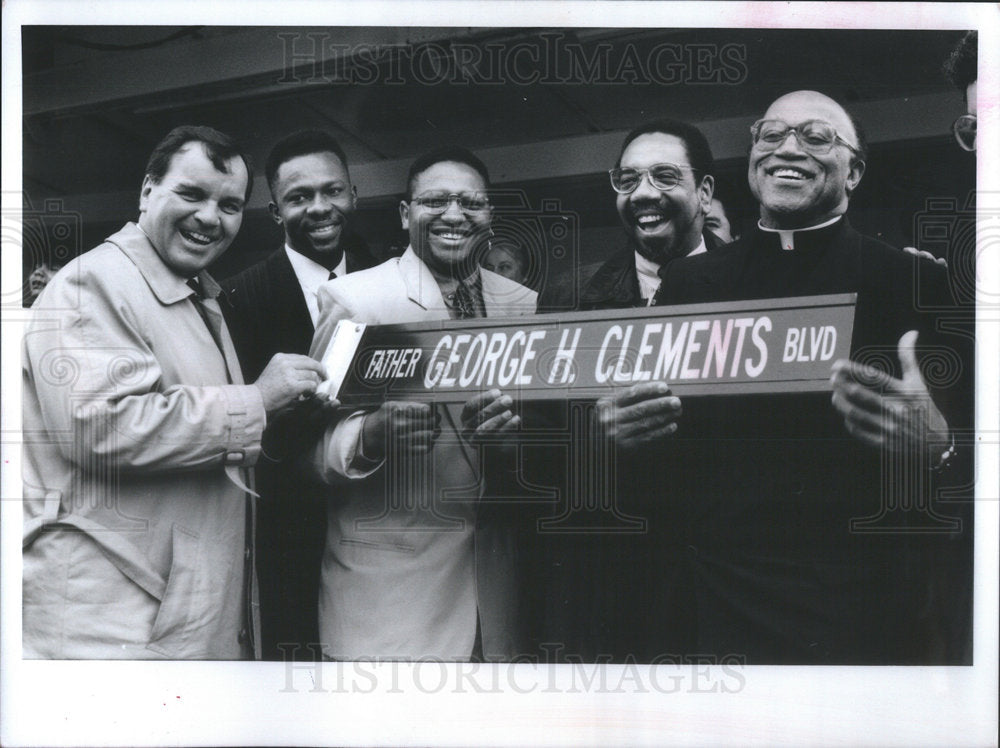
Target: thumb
908	359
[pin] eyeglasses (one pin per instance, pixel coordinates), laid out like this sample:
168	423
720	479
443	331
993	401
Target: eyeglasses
663	177
472	203
965	131
814	136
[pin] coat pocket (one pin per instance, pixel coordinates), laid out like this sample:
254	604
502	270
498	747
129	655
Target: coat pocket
171	633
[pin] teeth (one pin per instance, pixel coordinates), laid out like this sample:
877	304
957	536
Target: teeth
649	220
788	173
322	230
198	238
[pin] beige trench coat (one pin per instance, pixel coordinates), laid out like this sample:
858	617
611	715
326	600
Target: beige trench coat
136	536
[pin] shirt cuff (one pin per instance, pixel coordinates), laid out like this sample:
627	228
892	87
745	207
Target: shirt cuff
247	418
340	451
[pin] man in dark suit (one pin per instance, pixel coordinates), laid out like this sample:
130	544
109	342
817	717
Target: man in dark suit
810	530
272	308
604	587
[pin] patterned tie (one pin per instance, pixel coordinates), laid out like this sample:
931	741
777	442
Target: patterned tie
465	304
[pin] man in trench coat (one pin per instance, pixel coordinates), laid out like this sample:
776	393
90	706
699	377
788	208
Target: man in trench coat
138	428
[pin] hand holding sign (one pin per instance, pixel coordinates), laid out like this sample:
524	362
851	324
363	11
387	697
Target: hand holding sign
286	377
639	415
488	417
411	427
880	410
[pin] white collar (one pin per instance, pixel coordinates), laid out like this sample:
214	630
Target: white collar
309	272
787	236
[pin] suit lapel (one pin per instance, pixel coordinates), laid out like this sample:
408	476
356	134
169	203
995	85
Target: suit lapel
421	288
503	298
289	303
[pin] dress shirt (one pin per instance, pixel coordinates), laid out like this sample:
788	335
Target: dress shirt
311	275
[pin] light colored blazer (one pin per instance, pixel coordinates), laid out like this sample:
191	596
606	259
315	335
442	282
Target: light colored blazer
134	536
410	565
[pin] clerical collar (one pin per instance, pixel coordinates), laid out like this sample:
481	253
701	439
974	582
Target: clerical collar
648	271
787	236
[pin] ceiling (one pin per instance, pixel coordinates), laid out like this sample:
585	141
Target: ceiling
546	109
96	99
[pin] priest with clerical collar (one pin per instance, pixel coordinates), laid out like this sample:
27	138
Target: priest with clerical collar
780	490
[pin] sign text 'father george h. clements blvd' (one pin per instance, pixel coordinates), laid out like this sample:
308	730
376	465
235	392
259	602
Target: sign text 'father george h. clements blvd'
773	345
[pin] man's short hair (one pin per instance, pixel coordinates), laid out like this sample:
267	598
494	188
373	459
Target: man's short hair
456	154
699	152
301	143
219	148
961	67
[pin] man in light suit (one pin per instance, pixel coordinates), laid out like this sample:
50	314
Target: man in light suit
271	307
416	563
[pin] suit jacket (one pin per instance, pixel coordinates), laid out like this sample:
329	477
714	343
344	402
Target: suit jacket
412	560
136	541
610	284
799	543
267	314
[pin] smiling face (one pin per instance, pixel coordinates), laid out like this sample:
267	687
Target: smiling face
192	214
313	200
663	223
445	241
795	188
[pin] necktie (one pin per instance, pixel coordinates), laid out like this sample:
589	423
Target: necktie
212	321
332	275
465	305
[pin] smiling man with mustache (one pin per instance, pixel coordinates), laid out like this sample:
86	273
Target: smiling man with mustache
418	563
602	593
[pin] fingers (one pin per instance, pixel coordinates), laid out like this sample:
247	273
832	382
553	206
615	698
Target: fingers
656	412
636	435
478	402
639	392
908	359
412	426
485	409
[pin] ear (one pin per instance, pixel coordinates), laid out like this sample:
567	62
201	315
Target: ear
705	192
854	176
354	197
404	214
272	208
147	187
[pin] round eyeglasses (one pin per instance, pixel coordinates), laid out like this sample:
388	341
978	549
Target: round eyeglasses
472	203
664	177
965	131
814	136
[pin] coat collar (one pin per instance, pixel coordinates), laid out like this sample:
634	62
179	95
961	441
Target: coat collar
501	297
167	286
616	283
421	286
809	240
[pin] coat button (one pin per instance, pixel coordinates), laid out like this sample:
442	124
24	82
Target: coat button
244	636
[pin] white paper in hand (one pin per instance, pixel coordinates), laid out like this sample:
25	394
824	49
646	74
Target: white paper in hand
339	354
